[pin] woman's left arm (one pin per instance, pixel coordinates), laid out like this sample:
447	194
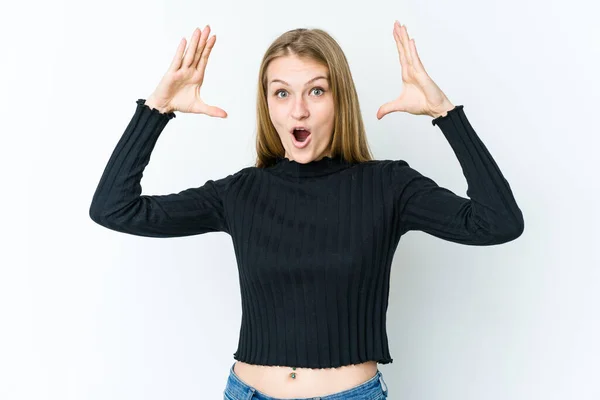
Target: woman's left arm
490	215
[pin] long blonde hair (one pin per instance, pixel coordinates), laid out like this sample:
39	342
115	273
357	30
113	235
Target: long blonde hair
349	138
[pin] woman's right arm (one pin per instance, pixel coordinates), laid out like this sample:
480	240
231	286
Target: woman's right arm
119	205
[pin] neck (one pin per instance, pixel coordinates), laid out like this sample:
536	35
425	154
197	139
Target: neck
318	158
326	165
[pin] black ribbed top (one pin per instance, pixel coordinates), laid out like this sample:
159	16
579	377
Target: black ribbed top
314	242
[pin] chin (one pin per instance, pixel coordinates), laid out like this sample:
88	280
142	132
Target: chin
306	158
302	158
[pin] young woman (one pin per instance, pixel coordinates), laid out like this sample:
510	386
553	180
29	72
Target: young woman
316	221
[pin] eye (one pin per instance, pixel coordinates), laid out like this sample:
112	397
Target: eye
279	91
284	91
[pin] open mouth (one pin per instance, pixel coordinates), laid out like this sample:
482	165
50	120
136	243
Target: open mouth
300	138
301	135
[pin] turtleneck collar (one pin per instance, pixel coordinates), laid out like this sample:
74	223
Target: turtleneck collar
325	166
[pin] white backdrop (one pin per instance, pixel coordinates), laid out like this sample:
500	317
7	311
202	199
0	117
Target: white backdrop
91	314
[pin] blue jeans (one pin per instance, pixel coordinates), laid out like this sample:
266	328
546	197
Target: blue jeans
373	389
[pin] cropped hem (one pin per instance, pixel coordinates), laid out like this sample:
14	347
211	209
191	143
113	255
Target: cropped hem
313	365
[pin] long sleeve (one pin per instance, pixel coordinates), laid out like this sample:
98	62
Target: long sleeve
118	204
489	216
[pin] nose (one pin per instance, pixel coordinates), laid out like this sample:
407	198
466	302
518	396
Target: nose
300	110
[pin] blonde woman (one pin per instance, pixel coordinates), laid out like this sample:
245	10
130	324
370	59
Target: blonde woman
316	221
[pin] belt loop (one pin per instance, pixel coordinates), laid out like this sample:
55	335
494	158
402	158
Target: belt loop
250	394
383	385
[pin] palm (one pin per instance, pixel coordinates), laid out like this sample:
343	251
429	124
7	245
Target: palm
420	94
180	86
187	98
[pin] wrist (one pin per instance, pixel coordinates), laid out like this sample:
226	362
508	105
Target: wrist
442	110
154	104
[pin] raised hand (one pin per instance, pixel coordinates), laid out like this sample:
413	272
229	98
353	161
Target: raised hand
420	95
179	89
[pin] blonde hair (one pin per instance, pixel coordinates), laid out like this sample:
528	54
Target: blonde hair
349	138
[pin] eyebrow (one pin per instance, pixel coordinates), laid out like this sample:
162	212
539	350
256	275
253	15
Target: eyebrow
307	83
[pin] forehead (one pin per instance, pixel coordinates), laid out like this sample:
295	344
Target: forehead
292	67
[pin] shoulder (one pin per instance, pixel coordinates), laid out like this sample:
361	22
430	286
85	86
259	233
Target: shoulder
224	184
389	167
236	176
396	173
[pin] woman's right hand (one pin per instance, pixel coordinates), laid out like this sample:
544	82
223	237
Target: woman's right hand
179	89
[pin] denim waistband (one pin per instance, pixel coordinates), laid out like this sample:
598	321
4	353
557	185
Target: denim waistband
374	388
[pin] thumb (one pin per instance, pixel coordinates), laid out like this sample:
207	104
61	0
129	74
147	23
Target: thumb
212	111
386	109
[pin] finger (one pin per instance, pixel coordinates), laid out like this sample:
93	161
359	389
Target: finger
415	56
191	50
403	61
201	47
204	58
176	63
403	33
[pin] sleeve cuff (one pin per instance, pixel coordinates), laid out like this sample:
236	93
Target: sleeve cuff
439	119
154	111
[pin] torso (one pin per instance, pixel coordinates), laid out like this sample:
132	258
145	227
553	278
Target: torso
277	382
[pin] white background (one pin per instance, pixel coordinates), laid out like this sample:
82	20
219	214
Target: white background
89	313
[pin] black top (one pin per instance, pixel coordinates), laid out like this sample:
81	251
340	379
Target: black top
314	242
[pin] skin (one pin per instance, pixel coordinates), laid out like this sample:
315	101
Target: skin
420	95
300	101
302	104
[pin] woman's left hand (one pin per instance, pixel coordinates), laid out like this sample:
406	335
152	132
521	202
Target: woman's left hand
421	96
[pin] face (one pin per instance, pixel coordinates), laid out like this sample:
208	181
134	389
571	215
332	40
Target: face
299	95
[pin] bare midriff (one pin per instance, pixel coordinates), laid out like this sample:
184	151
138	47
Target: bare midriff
289	383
